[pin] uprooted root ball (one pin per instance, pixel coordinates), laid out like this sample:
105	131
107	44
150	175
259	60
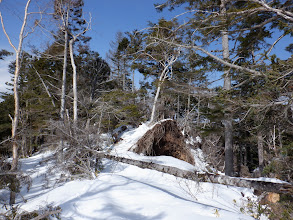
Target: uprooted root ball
166	139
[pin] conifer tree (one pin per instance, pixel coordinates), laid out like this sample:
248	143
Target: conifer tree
218	19
120	60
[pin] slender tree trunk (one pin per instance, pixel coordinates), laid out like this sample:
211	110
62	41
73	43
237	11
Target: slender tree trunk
198	111
63	89
14	165
260	151
124	76
74	83
133	88
228	125
26	130
178	106
155	101
16	114
280	138
244	156
15	120
161	80
189	97
163	76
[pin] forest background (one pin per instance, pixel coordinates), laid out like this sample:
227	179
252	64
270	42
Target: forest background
106	23
221	69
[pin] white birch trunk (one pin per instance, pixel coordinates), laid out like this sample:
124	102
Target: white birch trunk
161	81
155	102
74	83
285	188
63	89
15	120
163	76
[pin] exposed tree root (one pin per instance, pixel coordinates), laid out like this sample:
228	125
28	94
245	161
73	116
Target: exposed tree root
164	138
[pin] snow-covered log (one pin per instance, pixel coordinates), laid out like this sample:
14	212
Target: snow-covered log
285	188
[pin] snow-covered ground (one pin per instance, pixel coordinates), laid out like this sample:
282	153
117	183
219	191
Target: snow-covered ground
123	191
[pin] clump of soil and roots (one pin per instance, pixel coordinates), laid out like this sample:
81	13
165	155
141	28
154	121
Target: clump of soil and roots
164	138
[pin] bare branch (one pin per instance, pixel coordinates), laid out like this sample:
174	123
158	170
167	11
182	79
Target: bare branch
46	88
4	30
281	12
276	41
46	214
21	36
226	63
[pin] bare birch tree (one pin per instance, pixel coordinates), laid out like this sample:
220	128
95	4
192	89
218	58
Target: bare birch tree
163	54
15	120
65	12
167	64
62	12
74	82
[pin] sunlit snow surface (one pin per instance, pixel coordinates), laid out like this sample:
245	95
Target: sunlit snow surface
124	191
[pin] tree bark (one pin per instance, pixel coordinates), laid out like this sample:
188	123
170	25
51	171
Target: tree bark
133	86
156	100
260	151
74	74
228	124
74	83
170	60
124	75
15	120
285	188
63	89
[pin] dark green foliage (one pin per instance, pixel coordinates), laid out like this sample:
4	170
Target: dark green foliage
76	20
289	48
121	108
121	54
6	109
94	72
107	97
4	53
37	106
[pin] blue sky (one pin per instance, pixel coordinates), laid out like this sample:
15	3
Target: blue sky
111	16
108	17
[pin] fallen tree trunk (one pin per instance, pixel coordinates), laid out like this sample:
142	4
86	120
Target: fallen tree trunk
285	188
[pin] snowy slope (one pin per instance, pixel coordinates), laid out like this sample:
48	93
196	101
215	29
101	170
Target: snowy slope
124	191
